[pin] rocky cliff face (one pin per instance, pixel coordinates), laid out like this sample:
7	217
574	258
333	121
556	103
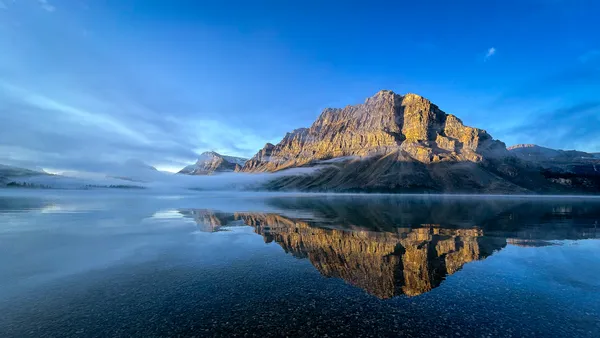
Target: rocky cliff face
409	125
211	162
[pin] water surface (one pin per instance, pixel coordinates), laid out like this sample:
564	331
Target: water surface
101	263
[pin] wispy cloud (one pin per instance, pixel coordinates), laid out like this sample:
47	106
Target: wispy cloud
580	78
81	116
2	5
490	52
46	5
83	131
570	127
92	107
590	56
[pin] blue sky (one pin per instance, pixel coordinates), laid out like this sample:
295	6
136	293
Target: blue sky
85	84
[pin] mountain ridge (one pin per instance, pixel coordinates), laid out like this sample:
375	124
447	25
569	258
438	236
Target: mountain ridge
210	162
384	123
405	143
534	152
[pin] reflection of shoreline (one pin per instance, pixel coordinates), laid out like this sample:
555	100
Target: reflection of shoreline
529	243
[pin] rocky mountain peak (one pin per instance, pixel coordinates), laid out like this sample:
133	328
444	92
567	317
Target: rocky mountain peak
382	95
210	162
409	125
207	155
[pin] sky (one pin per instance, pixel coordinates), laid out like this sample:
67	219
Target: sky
85	84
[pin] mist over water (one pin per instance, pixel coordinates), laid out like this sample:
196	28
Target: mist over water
150	263
134	176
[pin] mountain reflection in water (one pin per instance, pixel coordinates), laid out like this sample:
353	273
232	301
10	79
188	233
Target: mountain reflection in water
405	247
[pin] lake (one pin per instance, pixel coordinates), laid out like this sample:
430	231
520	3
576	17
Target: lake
105	263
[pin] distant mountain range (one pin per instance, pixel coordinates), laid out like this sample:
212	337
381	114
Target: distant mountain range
532	152
122	175
9	173
6	170
211	162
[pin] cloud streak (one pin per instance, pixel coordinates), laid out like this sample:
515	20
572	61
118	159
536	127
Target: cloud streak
79	106
37	130
46	5
563	128
490	52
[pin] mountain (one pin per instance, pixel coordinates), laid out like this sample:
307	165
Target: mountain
559	164
532	152
210	162
6	170
386	123
9	175
405	143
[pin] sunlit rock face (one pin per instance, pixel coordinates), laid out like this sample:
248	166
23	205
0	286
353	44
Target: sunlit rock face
399	143
385	264
386	123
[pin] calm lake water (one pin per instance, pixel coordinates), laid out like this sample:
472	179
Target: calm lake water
109	263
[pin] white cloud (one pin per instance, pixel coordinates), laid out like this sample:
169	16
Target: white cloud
490	53
79	116
46	5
